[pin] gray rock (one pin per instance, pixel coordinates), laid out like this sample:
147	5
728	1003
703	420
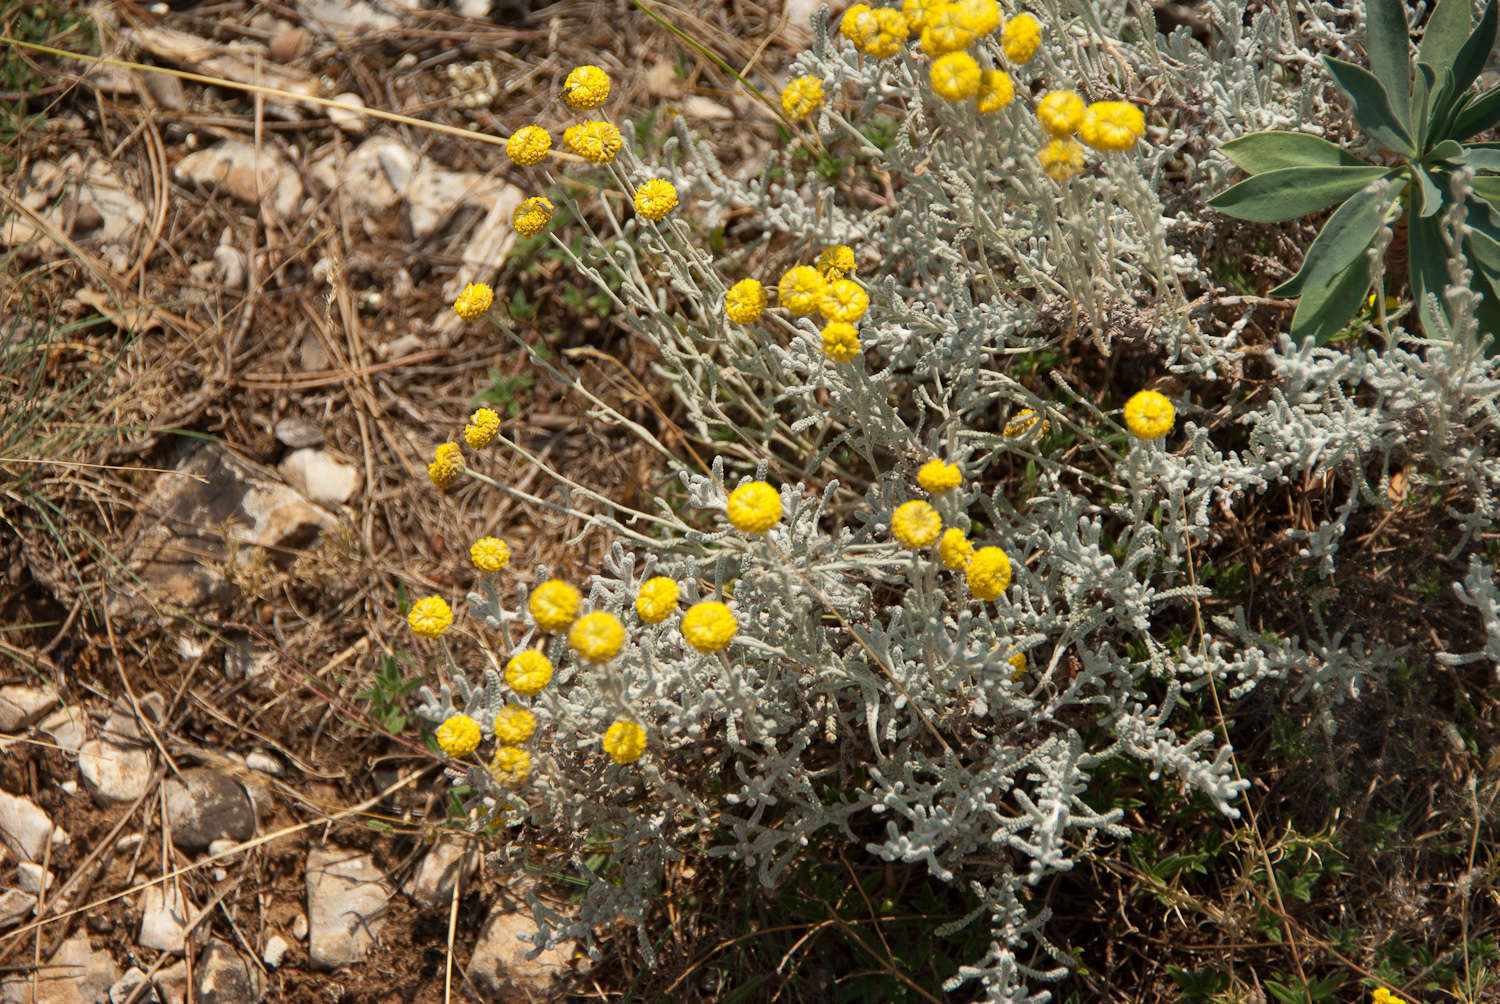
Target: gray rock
298	432
33	878
114	775
20	706
165	916
125	986
25	828
179	534
222	976
275	951
346	900
299	927
206	805
499	967
432	884
254	175
15	906
264	762
66	727
320	476
172	983
123	728
76	974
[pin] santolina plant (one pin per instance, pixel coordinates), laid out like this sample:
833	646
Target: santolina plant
865	623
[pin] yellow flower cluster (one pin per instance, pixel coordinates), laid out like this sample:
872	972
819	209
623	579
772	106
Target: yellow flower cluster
528	145
988	573
528	671
473	301
1103	125
955	549
624	742
510	766
430	617
916	524
880	32
553	605
586	88
514	725
801	290
802	97
745	301
1025	423
840	341
655	199
709	626
458	736
946	29
1021	39
595	142
844	300
447	464
483	425
938	476
489	554
656	599
838	261
1149	414
597	637
1384	996
532	216
825	288
754	507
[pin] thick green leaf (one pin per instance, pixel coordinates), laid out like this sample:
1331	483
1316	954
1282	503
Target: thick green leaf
1388	41
1345	237
1476	48
1488	287
1421	98
1446	30
1446	150
1439	116
1372	106
1427	191
1487	188
1325	309
1273	150
1484	234
1428	271
1483	251
1482	159
1476	115
1294	191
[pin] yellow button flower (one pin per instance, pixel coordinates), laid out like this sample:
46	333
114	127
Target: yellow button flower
955	549
585	88
754	507
1018	663
916	12
1061	159
514	725
532	216
890	36
916	524
625	742
858	24
838	261
1022	38
528	145
995	91
938	476
597	637
458	736
844	300
945	30
509	766
473	301
840	341
447	464
801	290
656	198
489	554
709	626
483	425
657	599
745	301
979	16
802	97
595	142
988	573
528	671
1025	423
1060	112
1112	125
1149	415
553	605
955	76
430	617
1384	996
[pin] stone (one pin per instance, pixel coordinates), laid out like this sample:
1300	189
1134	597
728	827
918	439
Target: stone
345	18
298	432
25	828
123	728
299	927
76	974
222	976
260	760
349	121
15	906
114	775
20	706
320	476
33	878
178	542
165	918
275	951
206	805
432	883
172	983
346	902
499	967
288	42
66	727
125	986
257	176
